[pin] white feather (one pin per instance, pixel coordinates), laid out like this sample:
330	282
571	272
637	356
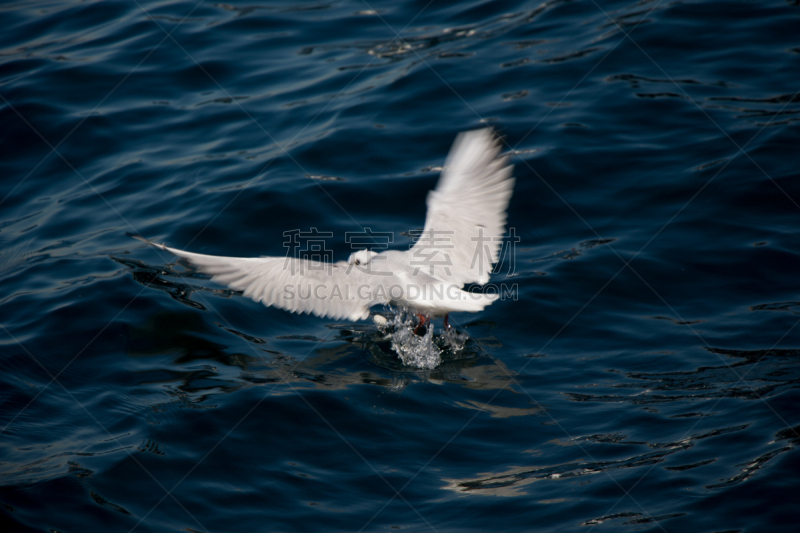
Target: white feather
467	210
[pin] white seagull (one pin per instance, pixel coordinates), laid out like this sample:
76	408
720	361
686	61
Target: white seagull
460	243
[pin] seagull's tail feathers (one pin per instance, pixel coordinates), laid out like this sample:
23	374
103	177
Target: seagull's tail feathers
441	302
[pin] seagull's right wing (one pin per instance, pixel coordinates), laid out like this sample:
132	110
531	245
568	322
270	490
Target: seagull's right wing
334	290
466	216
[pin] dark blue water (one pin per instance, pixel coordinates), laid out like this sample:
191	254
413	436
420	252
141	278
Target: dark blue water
645	377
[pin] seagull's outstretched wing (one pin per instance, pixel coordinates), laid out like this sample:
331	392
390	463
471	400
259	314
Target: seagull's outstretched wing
466	216
333	290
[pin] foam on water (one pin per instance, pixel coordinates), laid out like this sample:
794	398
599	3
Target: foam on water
420	351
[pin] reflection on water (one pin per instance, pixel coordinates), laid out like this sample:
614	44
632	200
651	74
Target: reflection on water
185	339
397	326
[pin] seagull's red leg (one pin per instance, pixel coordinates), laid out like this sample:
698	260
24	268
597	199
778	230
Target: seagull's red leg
446	325
422	321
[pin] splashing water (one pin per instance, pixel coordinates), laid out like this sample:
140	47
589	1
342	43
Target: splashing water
454	340
420	351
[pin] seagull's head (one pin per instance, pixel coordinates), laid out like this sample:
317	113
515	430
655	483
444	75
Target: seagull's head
361	257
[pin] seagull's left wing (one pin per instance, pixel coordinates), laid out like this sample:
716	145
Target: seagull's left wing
334	290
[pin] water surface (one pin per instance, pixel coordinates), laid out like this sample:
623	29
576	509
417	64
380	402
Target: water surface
645	377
